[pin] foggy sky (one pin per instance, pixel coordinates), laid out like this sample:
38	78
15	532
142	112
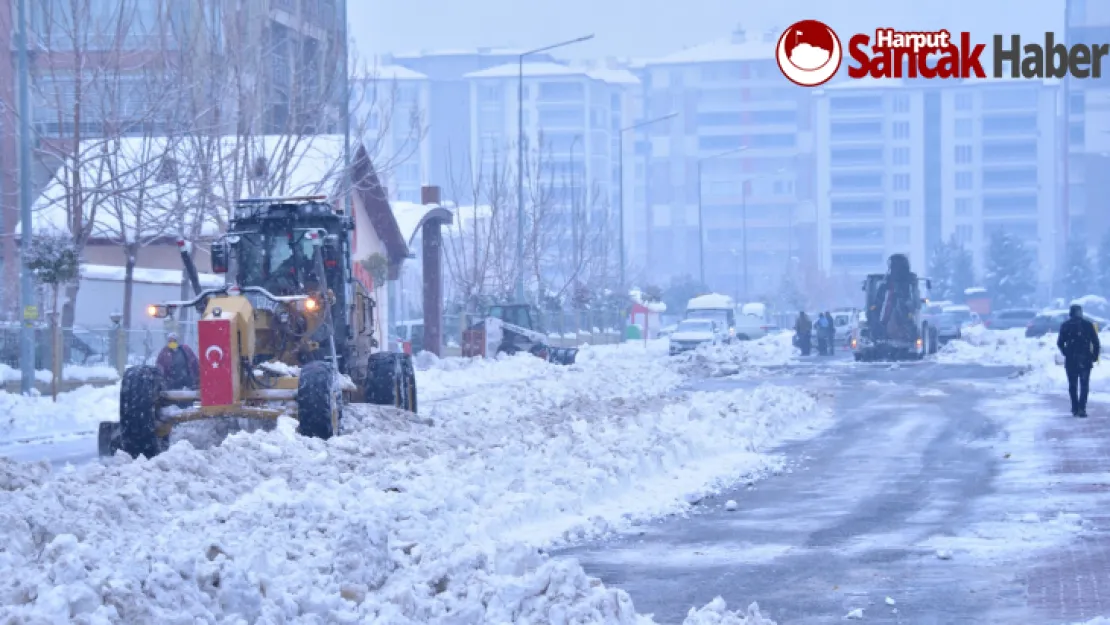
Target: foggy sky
652	28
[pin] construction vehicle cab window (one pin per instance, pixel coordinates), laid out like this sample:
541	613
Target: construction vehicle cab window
290	333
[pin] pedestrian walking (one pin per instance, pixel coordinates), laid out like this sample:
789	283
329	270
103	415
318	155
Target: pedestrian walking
830	333
802	329
1078	342
822	334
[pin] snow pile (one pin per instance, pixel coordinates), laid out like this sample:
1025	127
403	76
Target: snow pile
728	359
73	373
997	347
406	519
1037	357
439	379
79	410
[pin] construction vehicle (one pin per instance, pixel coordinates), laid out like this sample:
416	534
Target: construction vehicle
290	333
508	329
895	328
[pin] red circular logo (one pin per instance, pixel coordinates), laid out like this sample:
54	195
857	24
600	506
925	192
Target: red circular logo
809	53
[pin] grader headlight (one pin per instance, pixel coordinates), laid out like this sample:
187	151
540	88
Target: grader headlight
311	305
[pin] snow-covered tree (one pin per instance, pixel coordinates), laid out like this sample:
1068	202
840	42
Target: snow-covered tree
680	291
1011	273
940	271
54	261
951	270
963	270
1079	279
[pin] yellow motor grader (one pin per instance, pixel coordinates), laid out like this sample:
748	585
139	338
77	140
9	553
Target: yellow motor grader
290	333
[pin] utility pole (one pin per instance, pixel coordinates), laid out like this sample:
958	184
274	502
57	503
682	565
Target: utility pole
346	78
744	230
27	287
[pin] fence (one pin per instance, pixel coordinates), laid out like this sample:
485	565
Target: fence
93	346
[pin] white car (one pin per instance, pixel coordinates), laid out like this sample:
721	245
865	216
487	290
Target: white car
691	333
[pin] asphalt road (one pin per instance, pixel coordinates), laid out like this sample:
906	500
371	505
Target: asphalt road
838	531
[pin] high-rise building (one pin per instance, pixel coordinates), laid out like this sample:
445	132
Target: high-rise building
730	182
903	165
390	108
1087	116
572	121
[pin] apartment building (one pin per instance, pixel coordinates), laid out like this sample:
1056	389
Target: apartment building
903	165
447	120
572	117
742	144
1087	119
871	182
390	108
259	66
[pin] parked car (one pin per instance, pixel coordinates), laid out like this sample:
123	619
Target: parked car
1049	321
666	331
1010	318
949	327
691	333
964	315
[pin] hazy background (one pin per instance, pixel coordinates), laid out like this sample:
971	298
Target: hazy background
651	28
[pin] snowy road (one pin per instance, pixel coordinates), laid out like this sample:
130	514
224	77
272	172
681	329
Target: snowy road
851	525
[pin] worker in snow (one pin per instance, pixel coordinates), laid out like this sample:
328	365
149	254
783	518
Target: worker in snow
178	364
822	334
1078	342
802	329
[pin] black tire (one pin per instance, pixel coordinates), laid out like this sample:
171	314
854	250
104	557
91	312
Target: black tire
409	372
318	404
140	396
385	379
742	337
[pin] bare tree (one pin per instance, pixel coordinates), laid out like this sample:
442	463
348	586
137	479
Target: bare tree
91	88
476	247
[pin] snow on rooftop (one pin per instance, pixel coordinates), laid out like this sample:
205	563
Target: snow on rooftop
122	188
726	49
391	72
109	273
543	68
710	300
975	290
614	76
460	52
1088	301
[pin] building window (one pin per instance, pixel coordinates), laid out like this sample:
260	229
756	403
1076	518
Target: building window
901	208
963	207
963	233
901	130
999	125
490	94
1077	103
901	182
901	156
902	104
963	128
963	153
963	101
963	180
901	236
1076	135
561	91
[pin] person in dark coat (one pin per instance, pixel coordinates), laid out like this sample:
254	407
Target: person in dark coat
178	364
802	329
822	334
1078	342
830	334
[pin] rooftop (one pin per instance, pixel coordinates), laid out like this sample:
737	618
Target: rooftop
391	72
512	70
740	46
460	52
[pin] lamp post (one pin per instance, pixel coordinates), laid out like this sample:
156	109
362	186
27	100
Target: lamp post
520	158
701	220
620	183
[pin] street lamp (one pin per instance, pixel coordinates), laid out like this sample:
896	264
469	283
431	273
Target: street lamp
620	182
701	220
520	158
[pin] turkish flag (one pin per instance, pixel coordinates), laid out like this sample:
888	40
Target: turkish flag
217	362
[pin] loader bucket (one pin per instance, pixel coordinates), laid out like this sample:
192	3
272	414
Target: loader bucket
107	440
562	355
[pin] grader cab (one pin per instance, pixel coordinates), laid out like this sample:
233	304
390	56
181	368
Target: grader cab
290	333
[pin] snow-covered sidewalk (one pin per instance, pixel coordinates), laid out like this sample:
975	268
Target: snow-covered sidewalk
434	518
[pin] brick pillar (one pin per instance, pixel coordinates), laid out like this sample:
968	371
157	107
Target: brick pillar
433	275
